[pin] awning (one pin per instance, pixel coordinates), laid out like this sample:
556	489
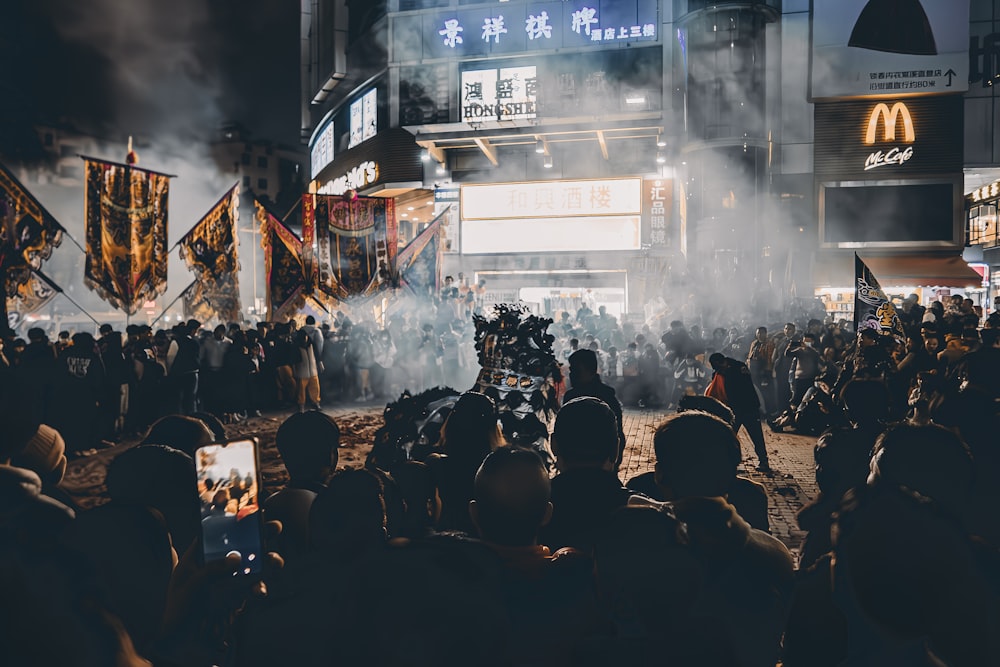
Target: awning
898	271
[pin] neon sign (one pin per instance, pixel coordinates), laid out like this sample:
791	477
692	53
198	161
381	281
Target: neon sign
889	117
359	177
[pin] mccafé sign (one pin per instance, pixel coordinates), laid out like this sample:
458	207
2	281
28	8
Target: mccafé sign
888	118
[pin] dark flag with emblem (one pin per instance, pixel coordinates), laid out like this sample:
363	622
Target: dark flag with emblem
28	233
210	251
872	308
287	286
419	263
126	220
355	243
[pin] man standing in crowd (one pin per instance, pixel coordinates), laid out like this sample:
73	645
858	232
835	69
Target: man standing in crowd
760	360
732	385
586	381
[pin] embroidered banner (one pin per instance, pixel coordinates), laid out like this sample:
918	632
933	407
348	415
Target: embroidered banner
28	233
419	263
32	295
285	275
872	309
355	243
126	220
210	250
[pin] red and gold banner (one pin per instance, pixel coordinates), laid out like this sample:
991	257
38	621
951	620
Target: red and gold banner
126	220
28	233
355	249
287	286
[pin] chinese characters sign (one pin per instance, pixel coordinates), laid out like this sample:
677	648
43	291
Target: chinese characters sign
550	199
498	94
657	202
535	26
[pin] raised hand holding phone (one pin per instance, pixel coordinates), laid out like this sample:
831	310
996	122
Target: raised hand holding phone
229	486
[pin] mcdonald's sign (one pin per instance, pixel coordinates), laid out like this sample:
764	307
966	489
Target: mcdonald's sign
890	118
907	136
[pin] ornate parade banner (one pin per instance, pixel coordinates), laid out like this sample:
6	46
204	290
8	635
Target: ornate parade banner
355	243
872	308
210	250
419	263
283	267
32	295
28	233
126	221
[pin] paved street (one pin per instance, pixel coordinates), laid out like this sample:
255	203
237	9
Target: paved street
789	487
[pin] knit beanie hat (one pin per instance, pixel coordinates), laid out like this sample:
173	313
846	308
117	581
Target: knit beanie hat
44	453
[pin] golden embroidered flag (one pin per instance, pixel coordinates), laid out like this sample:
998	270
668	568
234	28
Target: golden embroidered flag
210	251
32	295
28	233
126	220
284	272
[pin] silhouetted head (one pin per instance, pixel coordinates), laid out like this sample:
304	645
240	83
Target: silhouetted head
511	499
308	443
585	434
696	455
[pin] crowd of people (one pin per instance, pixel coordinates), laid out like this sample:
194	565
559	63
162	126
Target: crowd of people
477	554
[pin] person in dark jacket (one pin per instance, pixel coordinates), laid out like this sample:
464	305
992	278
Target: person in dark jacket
586	381
741	396
586	490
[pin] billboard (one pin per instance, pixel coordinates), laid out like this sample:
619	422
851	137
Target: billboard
865	48
364	118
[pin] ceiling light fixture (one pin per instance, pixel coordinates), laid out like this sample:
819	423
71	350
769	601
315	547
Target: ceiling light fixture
660	158
660	141
547	162
440	169
540	147
425	155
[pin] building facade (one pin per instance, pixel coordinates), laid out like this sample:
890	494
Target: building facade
620	152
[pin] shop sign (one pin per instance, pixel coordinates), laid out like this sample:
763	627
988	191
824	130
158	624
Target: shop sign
889	119
498	94
990	191
552	199
549	25
358	178
657	197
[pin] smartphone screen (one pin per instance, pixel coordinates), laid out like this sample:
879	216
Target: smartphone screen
229	485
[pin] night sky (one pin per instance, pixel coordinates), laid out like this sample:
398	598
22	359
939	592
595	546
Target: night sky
165	70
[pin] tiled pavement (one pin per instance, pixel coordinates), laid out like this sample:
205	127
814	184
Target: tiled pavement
789	487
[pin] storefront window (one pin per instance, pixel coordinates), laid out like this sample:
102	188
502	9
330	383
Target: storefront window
982	226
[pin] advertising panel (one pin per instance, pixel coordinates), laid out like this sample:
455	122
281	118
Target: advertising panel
322	150
364	118
867	48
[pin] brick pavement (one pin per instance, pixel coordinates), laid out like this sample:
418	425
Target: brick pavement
789	487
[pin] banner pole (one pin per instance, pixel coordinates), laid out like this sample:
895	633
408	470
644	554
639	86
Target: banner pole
163	312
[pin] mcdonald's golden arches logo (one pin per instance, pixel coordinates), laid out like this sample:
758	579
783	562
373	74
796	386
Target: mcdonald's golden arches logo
889	118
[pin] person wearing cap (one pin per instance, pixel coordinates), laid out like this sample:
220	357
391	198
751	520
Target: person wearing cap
44	453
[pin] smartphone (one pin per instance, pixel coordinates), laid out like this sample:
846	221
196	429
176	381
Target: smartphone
229	488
